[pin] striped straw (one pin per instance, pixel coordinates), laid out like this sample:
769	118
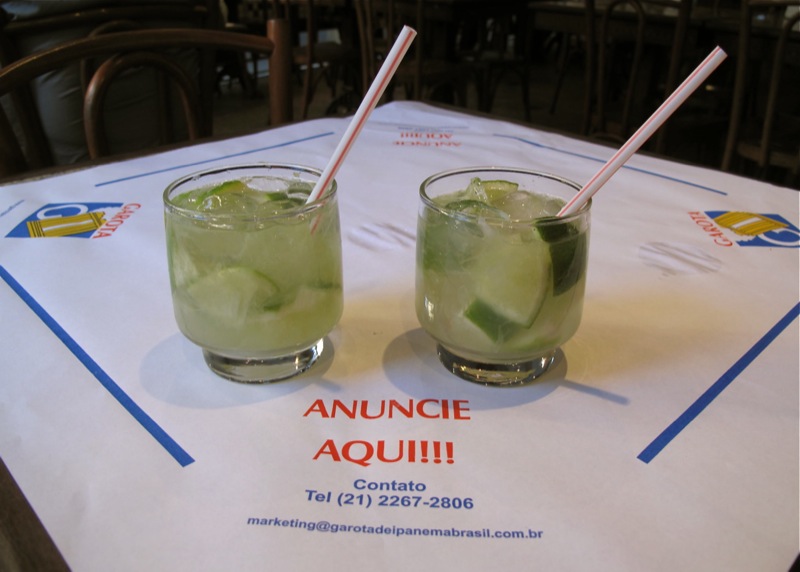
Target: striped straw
369	102
689	85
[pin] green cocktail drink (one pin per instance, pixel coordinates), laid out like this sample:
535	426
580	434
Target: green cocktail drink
256	274
500	279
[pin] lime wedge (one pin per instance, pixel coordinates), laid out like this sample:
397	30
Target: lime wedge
513	278
191	199
497	189
495	325
227	187
568	252
446	243
511	281
569	263
235	292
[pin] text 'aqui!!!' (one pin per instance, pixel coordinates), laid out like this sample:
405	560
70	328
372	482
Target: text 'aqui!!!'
365	452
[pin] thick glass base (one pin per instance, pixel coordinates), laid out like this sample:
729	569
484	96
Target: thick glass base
268	370
496	374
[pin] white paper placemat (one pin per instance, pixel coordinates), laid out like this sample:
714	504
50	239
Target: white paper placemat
666	439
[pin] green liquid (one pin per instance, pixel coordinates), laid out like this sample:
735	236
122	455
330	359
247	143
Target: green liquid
497	280
253	273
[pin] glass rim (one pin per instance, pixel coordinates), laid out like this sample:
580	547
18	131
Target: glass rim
323	199
428	201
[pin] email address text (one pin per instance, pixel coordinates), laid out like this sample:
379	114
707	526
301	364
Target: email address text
393	530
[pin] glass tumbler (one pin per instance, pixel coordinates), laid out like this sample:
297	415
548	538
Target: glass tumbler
500	281
255	272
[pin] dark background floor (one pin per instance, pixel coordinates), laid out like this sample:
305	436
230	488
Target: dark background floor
238	112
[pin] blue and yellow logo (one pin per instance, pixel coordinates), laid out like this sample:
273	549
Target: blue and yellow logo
76	220
748	229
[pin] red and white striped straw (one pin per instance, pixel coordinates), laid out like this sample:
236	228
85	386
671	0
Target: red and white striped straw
675	100
382	79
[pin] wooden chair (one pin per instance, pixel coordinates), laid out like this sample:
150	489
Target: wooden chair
619	97
581	46
764	132
123	51
69	16
29	27
428	71
327	60
568	46
497	49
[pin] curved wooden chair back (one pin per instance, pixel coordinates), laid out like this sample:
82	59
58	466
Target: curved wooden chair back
764	127
89	67
628	23
425	70
377	29
494	43
318	60
191	13
97	90
151	47
28	32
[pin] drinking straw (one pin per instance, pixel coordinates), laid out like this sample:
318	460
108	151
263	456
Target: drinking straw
675	100
382	79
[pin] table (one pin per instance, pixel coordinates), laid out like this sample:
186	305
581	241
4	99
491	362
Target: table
665	439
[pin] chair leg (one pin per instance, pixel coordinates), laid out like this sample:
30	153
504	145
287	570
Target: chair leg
563	60
332	73
525	88
483	80
248	81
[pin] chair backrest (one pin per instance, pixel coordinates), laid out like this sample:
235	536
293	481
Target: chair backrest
379	24
430	64
36	25
305	22
768	55
24	28
155	48
618	37
314	56
24	33
492	39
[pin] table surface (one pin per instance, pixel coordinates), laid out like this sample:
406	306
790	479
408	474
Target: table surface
666	438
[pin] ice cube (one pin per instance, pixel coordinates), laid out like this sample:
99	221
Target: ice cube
522	205
230	203
276	206
475	191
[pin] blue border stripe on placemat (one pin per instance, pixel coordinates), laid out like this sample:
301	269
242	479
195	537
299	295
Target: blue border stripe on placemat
658	444
221	157
599	160
177	452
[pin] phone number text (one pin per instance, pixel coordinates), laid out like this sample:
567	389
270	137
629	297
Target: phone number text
368	500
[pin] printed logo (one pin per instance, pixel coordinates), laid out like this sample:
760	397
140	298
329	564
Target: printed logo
727	228
76	220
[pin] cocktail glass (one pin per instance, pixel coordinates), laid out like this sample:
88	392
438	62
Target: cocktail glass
500	281
256	274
